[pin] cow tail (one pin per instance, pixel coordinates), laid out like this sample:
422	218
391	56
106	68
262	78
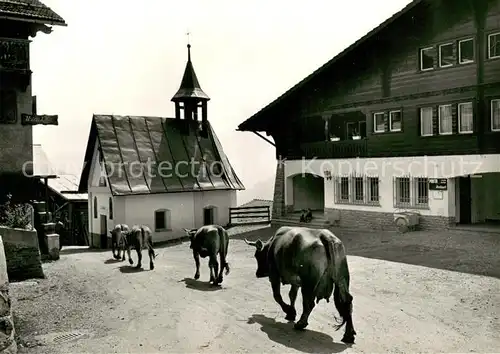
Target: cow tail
224	238
341	296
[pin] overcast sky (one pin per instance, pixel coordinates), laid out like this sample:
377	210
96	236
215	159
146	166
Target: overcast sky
127	57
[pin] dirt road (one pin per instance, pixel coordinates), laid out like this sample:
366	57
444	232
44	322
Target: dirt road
93	305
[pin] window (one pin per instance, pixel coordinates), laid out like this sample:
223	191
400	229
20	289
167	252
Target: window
373	190
494	45
378	122
110	208
446	55
403	191
495	115
344	188
422	191
411	192
427	58
102	175
162	220
95	207
395	121
359	195
357	190
426	127
465	118
445	119
466	51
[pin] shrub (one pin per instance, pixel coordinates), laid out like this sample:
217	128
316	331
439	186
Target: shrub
16	216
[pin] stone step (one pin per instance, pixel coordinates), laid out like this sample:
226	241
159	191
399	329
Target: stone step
317	224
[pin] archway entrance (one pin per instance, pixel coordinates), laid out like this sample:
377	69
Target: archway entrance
308	192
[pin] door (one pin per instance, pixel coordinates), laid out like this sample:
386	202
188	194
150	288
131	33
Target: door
104	231
465	200
208	216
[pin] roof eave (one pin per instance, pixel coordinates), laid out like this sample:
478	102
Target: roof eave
34	20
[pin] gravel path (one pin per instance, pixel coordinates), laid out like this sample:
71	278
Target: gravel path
90	304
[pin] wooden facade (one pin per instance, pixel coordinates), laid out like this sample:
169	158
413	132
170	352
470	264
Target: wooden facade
381	77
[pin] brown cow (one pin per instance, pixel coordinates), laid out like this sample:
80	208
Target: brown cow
310	259
117	237
208	241
140	237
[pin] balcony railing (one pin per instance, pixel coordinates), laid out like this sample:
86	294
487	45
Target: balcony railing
14	54
343	149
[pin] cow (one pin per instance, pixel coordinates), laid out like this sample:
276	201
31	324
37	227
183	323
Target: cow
140	237
208	241
117	237
313	260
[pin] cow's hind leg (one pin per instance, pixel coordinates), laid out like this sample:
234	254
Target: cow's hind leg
307	306
214	269
129	255
220	278
196	257
287	309
151	254
139	255
292	294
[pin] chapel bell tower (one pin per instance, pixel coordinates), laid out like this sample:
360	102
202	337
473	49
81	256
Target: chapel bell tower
190	100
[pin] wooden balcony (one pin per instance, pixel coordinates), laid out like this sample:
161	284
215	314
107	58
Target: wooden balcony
14	54
344	149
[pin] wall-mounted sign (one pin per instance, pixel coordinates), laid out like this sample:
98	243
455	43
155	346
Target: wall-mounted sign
35	119
438	184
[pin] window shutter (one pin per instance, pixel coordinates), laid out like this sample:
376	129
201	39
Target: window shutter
435	123
454	118
386	121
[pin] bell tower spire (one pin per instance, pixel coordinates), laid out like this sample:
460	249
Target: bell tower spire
190	98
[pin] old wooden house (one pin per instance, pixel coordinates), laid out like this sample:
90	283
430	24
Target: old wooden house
167	173
20	20
406	119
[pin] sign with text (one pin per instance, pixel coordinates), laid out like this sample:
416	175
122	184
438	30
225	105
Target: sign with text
438	184
35	119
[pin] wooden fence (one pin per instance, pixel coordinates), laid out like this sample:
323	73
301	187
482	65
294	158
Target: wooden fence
250	215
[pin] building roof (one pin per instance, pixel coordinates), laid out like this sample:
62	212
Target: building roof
31	11
190	86
67	183
42	167
250	123
258	203
175	145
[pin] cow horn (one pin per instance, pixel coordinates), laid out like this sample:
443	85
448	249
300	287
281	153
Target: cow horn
251	243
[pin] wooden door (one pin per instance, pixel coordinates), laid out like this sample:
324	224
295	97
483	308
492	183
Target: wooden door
465	200
104	231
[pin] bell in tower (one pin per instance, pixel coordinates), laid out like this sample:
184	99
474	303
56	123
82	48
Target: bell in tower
190	100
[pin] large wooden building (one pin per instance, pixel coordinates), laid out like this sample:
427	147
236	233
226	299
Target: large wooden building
405	119
167	173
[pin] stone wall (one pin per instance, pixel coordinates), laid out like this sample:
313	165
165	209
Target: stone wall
22	253
279	191
374	220
7	333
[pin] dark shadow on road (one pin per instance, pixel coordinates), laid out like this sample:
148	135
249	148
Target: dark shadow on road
200	285
305	341
130	269
82	249
112	261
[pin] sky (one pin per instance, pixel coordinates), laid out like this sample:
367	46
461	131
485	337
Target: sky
128	57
